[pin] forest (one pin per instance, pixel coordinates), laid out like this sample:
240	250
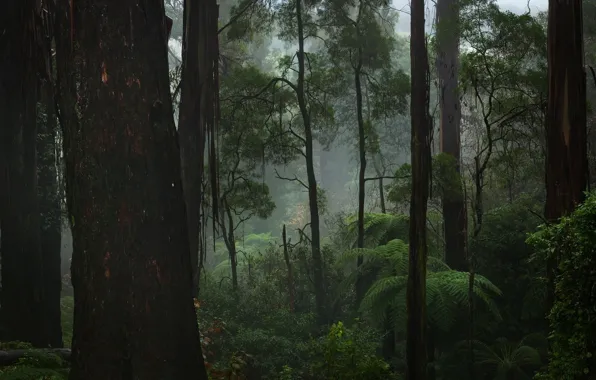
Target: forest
297	190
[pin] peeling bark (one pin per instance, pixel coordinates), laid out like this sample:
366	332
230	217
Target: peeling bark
134	316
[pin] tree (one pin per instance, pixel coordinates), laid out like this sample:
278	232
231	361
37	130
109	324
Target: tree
22	266
360	45
242	152
197	115
297	24
447	62
420	151
566	134
133	315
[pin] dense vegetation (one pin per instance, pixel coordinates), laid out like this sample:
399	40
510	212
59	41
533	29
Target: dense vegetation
327	198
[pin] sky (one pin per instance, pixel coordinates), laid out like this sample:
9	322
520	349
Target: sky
516	6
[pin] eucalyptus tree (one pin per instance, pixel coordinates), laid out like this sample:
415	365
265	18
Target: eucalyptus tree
312	81
447	66
243	151
420	151
566	134
360	42
133	314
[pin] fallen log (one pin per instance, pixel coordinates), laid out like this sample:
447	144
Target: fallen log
12	356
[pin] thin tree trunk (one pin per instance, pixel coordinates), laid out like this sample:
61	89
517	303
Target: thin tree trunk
420	148
566	133
382	196
315	231
454	207
289	267
134	317
231	244
360	284
51	214
22	267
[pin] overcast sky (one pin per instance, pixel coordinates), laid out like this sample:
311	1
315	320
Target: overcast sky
517	6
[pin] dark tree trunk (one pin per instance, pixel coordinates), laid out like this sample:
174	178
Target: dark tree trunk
51	216
131	273
382	196
420	147
315	230
291	291
196	114
566	134
22	268
454	207
360	283
230	241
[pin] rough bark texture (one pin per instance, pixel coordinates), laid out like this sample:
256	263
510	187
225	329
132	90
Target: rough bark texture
196	115
315	231
566	158
134	316
51	216
454	207
420	147
22	267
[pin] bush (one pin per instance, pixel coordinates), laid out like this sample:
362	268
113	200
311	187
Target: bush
573	316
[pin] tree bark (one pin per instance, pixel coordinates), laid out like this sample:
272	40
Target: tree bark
420	148
566	133
454	207
134	317
22	268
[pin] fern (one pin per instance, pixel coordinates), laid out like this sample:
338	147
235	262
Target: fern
446	289
378	228
505	359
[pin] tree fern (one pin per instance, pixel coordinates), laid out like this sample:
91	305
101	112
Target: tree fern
378	228
446	289
505	360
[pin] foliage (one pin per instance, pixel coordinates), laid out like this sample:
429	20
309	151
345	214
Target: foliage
573	242
502	255
447	290
347	353
34	365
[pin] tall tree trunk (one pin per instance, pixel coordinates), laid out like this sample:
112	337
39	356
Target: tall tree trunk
420	147
315	232
360	283
197	114
566	134
134	316
454	207
22	268
51	215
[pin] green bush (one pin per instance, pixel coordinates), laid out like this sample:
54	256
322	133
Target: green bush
573	316
347	354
